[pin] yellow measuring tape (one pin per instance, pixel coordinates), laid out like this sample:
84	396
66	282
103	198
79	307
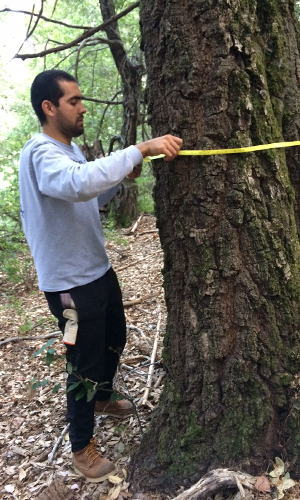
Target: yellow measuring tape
207	152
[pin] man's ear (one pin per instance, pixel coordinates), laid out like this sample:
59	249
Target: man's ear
47	107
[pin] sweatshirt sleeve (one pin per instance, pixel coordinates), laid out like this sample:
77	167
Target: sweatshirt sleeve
60	177
104	198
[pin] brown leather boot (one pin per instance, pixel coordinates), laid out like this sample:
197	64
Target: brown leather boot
117	409
89	463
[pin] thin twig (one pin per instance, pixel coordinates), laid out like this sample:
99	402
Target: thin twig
132	327
7	9
16	339
83	43
30	22
159	380
147	232
105	111
151	368
29	33
129	303
54	8
100	101
135	225
51	455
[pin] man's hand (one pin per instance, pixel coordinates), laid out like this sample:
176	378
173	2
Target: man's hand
137	170
169	145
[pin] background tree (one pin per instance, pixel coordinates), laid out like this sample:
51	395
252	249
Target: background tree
221	75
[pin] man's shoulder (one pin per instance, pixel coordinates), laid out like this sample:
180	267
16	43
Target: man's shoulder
36	140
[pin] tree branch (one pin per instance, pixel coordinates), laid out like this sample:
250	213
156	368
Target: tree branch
104	113
87	42
30	337
54	8
46	19
81	38
29	33
101	102
90	41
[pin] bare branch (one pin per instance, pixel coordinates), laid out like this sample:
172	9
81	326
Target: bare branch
54	21
105	111
114	139
64	58
81	38
101	102
54	8
51	455
37	20
91	41
31	18
88	42
78	55
30	337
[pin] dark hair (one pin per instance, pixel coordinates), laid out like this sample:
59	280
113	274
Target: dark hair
45	87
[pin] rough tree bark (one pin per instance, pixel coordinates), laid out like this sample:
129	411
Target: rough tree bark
225	74
125	204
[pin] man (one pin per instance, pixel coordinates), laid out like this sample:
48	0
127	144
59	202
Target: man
59	207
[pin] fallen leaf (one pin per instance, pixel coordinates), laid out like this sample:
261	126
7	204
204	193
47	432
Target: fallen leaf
114	479
125	486
17	422
278	468
9	488
114	495
22	474
288	483
262	484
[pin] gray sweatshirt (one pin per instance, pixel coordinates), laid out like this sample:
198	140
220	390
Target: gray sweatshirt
59	209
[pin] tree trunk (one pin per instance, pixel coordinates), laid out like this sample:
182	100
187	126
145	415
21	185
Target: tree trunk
221	75
124	208
131	75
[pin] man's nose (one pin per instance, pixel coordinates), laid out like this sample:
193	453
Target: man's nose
82	109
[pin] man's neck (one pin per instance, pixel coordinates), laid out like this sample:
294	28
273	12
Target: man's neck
56	134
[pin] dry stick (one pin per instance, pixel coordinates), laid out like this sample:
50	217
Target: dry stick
147	232
135	225
215	481
158	382
16	339
137	261
128	303
151	367
139	330
51	455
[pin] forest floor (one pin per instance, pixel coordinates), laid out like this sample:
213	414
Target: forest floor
33	420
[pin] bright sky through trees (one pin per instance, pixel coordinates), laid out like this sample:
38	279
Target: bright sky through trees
15	73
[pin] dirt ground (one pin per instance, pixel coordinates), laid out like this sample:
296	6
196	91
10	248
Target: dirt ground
32	422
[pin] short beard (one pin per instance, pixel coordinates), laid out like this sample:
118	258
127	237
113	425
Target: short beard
77	132
67	128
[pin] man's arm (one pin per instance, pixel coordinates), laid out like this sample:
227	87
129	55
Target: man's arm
169	145
60	177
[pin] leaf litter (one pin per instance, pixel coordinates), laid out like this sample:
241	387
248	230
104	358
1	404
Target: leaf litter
32	421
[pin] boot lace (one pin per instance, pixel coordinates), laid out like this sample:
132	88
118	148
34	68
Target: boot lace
90	452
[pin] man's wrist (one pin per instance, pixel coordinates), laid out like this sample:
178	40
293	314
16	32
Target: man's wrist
143	147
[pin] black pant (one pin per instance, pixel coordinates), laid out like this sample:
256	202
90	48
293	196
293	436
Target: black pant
100	340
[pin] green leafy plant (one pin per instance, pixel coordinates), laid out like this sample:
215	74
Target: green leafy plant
280	478
50	351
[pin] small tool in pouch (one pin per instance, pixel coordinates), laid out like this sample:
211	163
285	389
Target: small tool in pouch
70	313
